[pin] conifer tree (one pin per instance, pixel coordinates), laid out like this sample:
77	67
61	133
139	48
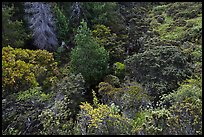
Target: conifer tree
88	58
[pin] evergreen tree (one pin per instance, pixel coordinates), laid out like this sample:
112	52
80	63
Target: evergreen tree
88	58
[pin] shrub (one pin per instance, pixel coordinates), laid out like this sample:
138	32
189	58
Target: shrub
13	32
88	58
57	120
100	12
131	98
113	80
190	90
180	112
72	86
23	69
159	69
119	69
20	112
101	119
183	118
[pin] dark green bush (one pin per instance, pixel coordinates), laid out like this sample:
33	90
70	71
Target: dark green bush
88	58
159	69
13	32
72	86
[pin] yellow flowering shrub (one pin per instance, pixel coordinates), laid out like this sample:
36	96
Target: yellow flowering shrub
23	69
102	119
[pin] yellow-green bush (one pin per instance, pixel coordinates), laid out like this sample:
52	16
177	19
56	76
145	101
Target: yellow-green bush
112	42
119	69
23	69
101	119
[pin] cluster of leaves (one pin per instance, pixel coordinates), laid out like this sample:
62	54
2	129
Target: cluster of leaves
159	69
101	119
20	111
100	12
56	120
130	98
136	22
62	24
13	32
88	58
113	43
72	86
180	112
23	69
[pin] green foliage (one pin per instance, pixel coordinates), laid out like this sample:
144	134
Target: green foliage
104	36
182	21
146	59
63	34
194	53
119	69
182	118
20	111
113	80
62	24
33	93
72	86
57	120
136	25
159	69
88	58
23	69
190	90
13	32
181	9
112	42
101	119
131	98
100	12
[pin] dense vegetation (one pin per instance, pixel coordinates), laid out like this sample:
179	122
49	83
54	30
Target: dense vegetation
102	68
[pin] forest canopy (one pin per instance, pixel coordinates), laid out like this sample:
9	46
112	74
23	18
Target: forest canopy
101	68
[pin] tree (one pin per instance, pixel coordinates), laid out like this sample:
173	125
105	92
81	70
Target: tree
42	24
62	24
13	32
88	58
